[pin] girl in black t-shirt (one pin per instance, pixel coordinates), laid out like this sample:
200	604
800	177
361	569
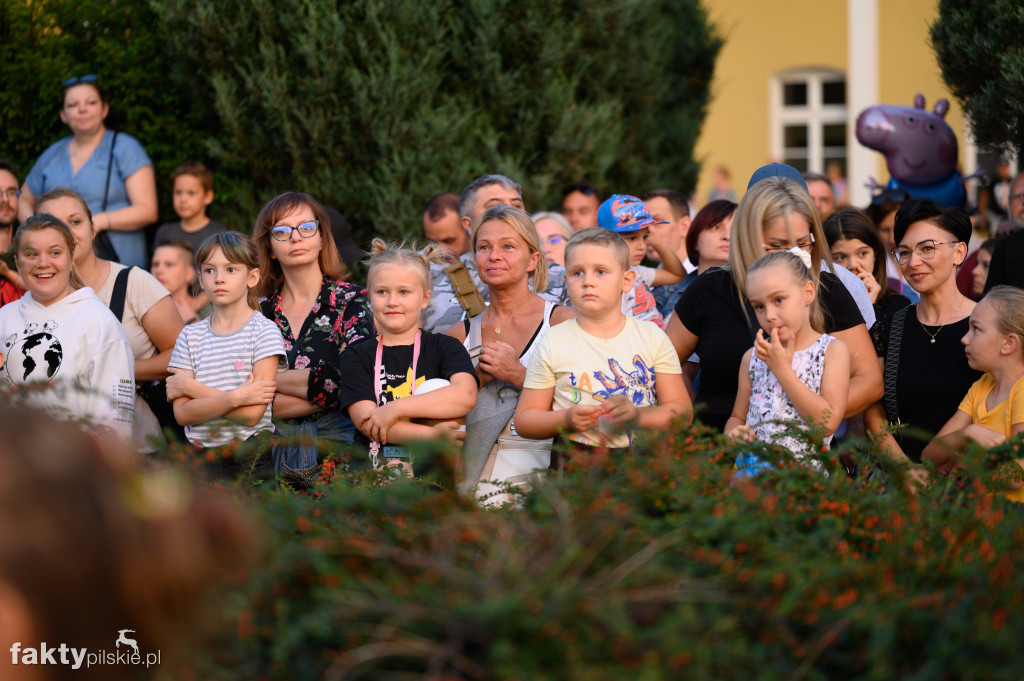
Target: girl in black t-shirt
380	378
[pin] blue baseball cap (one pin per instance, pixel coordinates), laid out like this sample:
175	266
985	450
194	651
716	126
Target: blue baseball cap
623	214
777	170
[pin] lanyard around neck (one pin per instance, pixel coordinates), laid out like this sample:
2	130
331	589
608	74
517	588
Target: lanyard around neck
378	365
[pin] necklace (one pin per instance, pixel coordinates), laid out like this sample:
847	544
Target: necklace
497	329
931	336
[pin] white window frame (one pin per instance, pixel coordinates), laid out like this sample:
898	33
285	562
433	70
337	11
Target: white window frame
814	115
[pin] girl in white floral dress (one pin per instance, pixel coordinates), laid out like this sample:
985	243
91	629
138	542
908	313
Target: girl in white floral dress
795	375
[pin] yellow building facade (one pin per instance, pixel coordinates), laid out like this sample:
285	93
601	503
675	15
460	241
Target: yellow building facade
794	74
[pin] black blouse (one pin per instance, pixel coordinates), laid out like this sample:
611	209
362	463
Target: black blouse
933	379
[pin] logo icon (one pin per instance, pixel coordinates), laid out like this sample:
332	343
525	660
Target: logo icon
121	638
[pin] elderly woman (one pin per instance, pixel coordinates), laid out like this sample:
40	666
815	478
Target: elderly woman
109	169
555	232
140	302
714	319
303	291
502	338
926	371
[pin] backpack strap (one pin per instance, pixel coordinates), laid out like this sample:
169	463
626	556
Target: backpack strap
117	296
110	166
892	364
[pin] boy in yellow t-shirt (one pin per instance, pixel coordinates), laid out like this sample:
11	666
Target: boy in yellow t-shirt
597	374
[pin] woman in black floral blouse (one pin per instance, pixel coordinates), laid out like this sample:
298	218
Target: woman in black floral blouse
319	315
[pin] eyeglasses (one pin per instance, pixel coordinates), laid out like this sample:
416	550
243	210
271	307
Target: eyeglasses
804	244
10	194
555	239
284	232
925	250
75	80
891	196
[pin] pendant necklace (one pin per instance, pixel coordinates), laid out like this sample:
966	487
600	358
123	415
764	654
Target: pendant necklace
931	336
497	329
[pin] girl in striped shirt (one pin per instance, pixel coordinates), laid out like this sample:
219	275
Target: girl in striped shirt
223	368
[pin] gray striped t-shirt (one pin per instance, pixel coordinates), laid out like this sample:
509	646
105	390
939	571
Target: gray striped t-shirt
224	362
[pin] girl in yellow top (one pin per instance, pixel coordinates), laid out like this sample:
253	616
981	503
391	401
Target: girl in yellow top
993	409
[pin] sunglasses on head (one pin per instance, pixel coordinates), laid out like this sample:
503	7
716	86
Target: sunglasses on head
76	80
890	196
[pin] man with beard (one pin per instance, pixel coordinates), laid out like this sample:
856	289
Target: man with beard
10	282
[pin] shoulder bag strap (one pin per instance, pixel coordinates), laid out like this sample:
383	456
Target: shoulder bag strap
474	338
892	365
119	293
110	166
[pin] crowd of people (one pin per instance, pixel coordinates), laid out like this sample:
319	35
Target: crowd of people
523	340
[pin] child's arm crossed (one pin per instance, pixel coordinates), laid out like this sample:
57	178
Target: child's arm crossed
384	424
953	438
535	419
244	404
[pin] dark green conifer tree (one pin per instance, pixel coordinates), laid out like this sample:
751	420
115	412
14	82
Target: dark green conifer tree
980	49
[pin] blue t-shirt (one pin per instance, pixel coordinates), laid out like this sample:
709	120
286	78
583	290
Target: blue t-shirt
53	169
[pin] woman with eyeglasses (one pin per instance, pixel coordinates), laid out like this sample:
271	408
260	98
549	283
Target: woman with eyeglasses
882	212
107	168
926	371
303	291
142	305
555	232
714	319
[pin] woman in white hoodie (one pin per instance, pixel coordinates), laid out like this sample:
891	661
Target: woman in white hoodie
61	339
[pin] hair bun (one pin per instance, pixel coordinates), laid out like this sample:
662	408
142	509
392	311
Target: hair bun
804	256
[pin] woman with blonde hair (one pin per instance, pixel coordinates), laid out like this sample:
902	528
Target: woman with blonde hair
502	339
714	319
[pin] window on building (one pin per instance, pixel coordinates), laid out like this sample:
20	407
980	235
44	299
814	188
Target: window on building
809	119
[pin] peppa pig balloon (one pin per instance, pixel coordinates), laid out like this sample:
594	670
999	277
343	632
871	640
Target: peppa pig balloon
919	146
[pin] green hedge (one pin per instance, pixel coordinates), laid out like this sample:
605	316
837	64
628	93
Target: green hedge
644	567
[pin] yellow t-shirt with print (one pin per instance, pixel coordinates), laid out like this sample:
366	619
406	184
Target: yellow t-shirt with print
585	369
1001	419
